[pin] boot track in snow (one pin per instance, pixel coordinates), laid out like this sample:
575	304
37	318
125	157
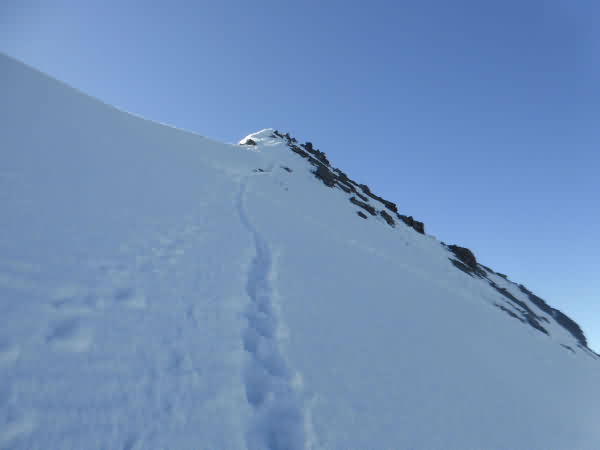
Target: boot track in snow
272	387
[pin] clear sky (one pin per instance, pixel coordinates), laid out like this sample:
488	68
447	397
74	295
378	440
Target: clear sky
480	118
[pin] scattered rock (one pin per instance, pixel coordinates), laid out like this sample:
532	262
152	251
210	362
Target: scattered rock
390	221
361	214
364	206
258	170
325	175
249	142
287	169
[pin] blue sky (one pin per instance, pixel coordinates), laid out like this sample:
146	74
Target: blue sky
479	118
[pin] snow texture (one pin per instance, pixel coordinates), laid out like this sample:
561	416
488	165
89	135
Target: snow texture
162	290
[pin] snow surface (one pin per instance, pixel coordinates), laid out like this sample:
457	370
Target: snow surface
158	291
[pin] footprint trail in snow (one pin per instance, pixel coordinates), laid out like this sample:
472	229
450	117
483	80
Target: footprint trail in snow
273	389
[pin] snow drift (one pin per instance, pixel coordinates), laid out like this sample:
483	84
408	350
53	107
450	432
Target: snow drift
162	290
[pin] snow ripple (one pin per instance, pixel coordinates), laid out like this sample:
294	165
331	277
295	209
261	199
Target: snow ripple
273	389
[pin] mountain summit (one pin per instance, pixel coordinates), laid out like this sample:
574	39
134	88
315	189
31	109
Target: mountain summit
159	289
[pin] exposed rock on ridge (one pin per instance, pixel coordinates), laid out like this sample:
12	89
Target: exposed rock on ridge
518	309
336	178
462	258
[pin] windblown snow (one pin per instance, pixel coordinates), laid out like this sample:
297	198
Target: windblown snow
162	290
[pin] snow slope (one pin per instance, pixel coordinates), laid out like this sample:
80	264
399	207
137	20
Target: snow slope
162	290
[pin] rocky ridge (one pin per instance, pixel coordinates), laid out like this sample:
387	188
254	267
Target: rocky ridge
530	310
335	178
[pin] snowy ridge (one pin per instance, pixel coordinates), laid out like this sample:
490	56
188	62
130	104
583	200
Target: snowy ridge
162	290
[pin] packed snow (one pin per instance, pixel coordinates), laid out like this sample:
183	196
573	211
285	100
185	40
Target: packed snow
162	290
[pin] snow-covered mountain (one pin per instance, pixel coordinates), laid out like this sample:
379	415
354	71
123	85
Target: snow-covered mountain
162	290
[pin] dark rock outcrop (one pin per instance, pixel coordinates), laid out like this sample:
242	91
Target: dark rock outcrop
362	197
465	255
389	205
343	187
467	263
361	214
460	266
365	189
249	142
509	312
344	178
571	326
325	176
530	317
390	221
321	157
316	153
419	227
364	206
408	220
299	151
